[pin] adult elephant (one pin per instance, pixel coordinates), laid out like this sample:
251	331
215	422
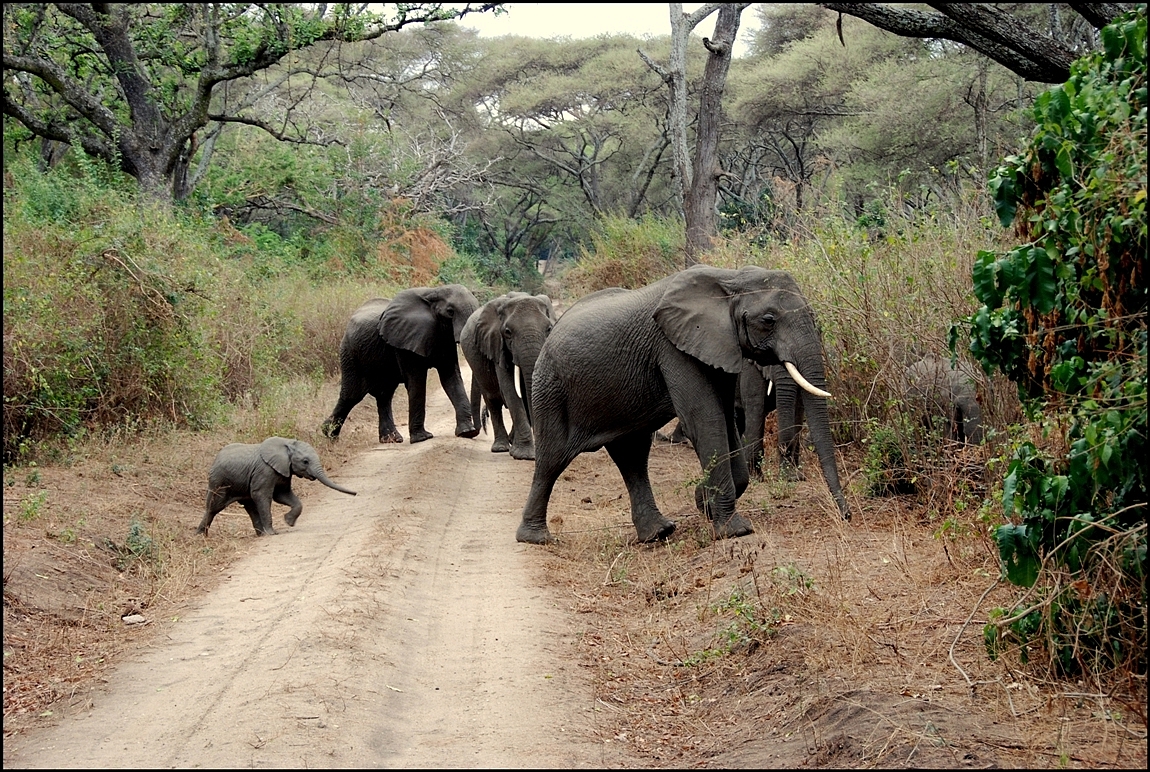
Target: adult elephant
621	363
764	389
392	342
936	389
506	334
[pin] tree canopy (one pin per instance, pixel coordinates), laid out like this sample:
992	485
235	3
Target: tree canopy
136	83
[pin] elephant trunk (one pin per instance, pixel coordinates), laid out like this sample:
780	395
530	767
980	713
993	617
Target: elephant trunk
526	376
818	422
323	478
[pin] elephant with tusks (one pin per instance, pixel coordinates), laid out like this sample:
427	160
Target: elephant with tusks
501	342
620	364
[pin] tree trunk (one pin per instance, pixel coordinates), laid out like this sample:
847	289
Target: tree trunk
703	191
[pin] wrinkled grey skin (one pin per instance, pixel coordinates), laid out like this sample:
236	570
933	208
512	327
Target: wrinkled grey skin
935	389
257	475
791	402
505	333
392	342
619	364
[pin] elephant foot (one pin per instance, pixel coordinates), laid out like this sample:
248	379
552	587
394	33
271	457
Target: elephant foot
330	430
736	525
420	435
268	532
523	453
290	520
658	529
389	437
500	446
468	431
532	535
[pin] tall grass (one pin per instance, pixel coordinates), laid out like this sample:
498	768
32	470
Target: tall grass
120	314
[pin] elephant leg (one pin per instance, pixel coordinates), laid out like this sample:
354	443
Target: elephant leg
502	443
753	392
452	382
254	513
351	392
288	498
218	499
259	508
417	407
790	413
383	398
630	453
549	464
724	480
522	443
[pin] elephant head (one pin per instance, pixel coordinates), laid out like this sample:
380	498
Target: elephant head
722	317
510	333
296	458
415	317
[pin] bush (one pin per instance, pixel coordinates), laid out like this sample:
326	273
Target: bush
1064	316
628	253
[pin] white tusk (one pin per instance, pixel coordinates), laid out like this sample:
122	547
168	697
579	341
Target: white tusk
517	375
803	383
770	385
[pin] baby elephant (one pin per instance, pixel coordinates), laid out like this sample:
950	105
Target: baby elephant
256	475
938	390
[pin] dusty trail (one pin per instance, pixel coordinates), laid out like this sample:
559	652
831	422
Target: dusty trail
403	627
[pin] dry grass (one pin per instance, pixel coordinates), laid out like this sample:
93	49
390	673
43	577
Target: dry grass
812	642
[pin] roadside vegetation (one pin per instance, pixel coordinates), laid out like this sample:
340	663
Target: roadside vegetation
141	335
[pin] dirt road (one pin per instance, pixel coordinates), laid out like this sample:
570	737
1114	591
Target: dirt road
404	627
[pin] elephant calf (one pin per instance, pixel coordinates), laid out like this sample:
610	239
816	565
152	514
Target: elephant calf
936	389
257	475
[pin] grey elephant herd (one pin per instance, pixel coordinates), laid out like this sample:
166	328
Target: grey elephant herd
717	348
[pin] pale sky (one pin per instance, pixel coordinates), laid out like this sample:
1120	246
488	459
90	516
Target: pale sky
584	20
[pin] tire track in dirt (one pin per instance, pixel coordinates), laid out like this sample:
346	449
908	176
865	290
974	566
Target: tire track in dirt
404	627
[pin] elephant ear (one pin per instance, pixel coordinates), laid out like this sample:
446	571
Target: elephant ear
695	314
276	453
409	323
489	330
545	300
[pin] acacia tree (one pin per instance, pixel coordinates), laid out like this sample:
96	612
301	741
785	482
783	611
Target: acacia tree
994	31
136	83
697	186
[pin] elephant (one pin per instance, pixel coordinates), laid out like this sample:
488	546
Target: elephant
257	475
934	388
621	363
398	341
504	334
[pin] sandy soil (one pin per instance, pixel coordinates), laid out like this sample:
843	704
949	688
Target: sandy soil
404	627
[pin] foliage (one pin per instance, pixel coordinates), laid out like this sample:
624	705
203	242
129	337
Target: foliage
628	253
1064	316
103	304
121	314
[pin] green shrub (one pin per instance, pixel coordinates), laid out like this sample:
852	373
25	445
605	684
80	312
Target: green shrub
1064	316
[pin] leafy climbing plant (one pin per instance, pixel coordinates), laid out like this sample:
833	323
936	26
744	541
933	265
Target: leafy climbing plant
1063	315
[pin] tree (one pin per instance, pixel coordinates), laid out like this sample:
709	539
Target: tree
697	186
995	31
136	83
